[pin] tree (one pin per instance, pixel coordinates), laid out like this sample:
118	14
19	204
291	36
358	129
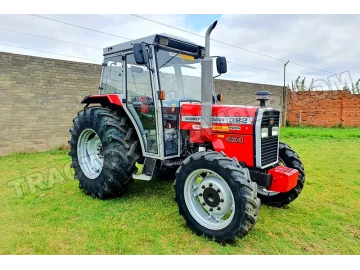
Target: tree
297	86
311	86
300	85
356	88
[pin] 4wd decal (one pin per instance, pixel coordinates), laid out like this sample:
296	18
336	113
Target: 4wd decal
220	120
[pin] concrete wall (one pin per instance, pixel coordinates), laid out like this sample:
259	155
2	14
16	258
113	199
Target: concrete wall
324	108
243	93
40	97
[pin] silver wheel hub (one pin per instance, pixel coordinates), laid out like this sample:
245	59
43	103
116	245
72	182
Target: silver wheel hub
209	199
90	153
213	195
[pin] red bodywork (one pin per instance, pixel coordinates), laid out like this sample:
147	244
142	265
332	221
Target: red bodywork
283	178
103	99
235	139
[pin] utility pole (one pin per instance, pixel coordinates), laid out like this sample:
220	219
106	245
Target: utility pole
284	96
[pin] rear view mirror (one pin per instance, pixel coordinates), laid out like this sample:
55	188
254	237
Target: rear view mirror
221	65
140	53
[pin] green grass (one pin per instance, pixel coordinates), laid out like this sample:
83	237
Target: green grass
325	219
305	132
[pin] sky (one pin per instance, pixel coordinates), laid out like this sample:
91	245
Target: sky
328	45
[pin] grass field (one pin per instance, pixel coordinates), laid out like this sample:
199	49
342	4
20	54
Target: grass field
50	215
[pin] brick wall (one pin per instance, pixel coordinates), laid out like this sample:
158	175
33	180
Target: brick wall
351	110
324	108
40	97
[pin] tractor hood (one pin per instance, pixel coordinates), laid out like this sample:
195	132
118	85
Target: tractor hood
225	118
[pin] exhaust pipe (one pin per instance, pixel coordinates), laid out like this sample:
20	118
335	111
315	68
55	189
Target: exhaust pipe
207	39
206	87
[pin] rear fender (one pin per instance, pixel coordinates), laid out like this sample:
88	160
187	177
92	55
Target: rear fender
104	100
113	102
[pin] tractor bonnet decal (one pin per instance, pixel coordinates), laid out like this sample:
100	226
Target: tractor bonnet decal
220	120
231	139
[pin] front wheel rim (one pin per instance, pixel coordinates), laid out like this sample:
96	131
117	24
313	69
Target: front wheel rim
209	199
90	153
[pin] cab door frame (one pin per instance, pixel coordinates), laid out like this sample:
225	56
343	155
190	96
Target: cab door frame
180	88
157	109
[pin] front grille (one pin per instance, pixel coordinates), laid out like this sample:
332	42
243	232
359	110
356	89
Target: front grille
270	145
267	116
269	150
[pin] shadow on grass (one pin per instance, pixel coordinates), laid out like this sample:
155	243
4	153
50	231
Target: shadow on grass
142	190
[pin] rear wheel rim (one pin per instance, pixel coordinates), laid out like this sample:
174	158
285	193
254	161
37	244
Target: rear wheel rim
90	153
209	199
269	193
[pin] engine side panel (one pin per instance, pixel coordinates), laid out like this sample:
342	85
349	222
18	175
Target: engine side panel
225	118
232	126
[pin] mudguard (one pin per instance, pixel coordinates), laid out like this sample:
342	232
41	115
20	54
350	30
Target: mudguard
102	99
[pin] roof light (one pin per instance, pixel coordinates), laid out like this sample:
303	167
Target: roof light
164	41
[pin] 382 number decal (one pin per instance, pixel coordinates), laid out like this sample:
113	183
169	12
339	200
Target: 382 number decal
240	120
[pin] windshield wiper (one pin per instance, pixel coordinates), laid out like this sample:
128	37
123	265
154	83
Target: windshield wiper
171	59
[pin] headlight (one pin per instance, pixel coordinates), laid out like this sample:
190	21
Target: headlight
275	131
264	132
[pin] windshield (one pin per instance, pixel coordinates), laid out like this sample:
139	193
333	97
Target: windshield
180	75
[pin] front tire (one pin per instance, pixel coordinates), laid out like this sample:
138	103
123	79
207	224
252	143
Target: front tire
104	150
290	159
216	196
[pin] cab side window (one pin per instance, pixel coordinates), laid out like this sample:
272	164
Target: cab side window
112	76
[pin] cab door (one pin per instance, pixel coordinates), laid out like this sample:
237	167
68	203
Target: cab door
140	103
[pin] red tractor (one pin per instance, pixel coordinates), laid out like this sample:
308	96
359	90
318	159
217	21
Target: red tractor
157	107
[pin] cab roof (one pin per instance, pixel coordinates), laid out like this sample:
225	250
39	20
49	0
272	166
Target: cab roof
157	39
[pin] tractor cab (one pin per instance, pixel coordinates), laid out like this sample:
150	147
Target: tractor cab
153	77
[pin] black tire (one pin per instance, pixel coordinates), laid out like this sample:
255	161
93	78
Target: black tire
291	160
120	151
243	189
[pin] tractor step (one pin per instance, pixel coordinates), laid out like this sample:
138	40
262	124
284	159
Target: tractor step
143	177
147	170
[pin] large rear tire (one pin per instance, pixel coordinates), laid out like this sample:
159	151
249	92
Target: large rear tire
104	151
288	158
216	197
